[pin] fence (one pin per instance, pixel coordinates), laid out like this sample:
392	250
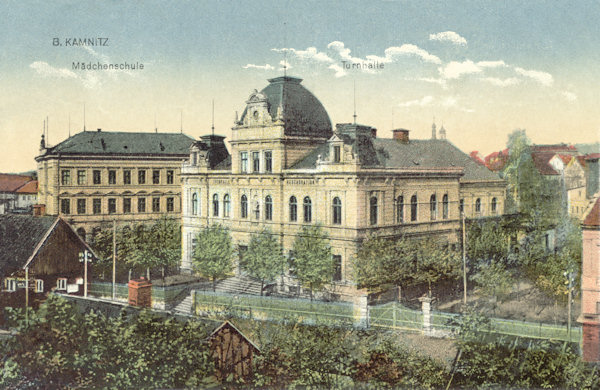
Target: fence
276	309
161	296
395	316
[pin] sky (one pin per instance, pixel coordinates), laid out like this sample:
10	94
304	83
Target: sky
480	68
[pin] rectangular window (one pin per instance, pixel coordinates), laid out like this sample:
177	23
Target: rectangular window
61	284
126	205
337	268
97	177
255	162
141	176
141	205
156	205
170	205
65	177
337	154
97	205
169	177
112	177
268	161
127	176
244	162
10	285
65	206
112	205
155	176
80	206
81	177
39	286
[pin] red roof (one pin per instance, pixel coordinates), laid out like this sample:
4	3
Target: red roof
581	160
475	156
29	188
541	162
11	183
592	156
565	158
557	148
593	217
496	161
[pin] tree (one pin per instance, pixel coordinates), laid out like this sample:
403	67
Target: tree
264	258
494	280
378	263
487	241
435	262
213	256
313	260
163	247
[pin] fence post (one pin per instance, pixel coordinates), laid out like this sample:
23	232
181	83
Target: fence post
361	312
193	302
426	308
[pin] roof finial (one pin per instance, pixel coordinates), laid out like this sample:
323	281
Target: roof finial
155	127
433	129
69	125
213	117
84	116
354	102
181	122
284	49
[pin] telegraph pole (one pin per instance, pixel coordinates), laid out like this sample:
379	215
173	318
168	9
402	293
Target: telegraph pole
114	270
464	250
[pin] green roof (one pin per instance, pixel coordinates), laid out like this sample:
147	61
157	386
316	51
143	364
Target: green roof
124	143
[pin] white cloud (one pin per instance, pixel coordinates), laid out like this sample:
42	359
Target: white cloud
409	49
491	64
285	65
311	53
570	96
46	70
342	51
448	36
263	67
502	82
449	101
441	82
454	70
419	102
339	71
543	78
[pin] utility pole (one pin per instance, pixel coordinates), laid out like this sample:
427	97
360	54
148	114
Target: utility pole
114	270
86	254
464	250
569	275
26	297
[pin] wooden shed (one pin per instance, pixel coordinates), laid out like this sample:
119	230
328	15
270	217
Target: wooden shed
232	351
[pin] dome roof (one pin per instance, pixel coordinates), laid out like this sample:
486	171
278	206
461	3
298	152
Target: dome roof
303	113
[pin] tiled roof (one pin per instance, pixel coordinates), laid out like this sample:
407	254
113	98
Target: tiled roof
592	156
556	148
19	236
390	153
541	161
11	183
565	158
124	143
303	113
592	218
29	188
581	160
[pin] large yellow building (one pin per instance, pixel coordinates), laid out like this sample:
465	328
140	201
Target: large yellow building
95	177
289	167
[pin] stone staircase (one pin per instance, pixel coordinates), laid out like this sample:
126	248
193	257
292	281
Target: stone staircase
239	284
184	306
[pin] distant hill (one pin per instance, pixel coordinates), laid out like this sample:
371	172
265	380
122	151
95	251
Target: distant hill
588	148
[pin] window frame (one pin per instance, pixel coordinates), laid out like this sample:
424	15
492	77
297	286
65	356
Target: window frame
244	206
81	177
127	205
268	161
293	209
141	176
156	204
244	162
400	209
97	177
65	206
170	176
112	205
112	176
255	162
307	209
194	203
337	268
433	207
127	176
97	206
336	206
65	177
215	204
268	208
156	176
141	204
445	207
81	205
373	210
414	208
226	206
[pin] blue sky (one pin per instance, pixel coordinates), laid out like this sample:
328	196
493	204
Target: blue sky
482	68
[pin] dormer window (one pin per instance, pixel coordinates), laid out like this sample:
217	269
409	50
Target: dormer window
337	153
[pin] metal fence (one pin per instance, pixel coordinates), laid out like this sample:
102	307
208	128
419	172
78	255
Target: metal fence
394	316
275	309
159	294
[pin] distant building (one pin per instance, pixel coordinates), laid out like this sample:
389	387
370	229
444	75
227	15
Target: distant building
289	167
590	284
95	177
48	248
18	193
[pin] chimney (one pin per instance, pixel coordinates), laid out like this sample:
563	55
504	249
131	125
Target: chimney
401	135
373	132
99	130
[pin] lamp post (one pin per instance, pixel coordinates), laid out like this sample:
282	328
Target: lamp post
84	257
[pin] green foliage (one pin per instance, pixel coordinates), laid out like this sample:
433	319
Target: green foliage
493	279
264	258
313	259
62	348
381	261
487	241
213	256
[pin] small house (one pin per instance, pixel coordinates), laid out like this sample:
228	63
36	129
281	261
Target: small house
232	352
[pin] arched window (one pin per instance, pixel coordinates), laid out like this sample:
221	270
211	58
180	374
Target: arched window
494	205
337	211
244	207
307	209
478	205
269	208
433	207
226	205
413	208
400	209
445	206
293	209
373	210
215	205
194	204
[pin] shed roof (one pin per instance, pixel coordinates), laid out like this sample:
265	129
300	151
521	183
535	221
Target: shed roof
11	183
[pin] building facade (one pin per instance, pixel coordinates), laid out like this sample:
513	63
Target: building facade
95	177
288	167
18	193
